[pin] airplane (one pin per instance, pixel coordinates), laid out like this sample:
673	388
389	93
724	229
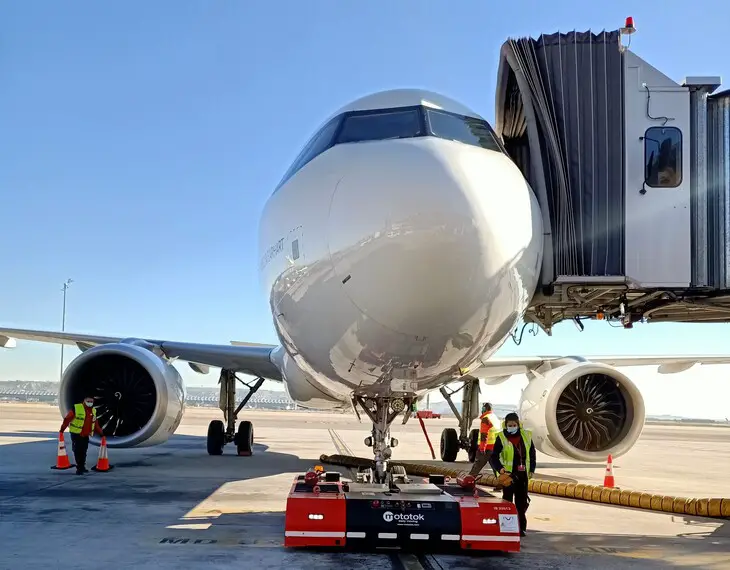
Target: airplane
407	232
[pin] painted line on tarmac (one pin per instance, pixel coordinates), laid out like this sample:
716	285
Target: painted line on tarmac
343	449
188	541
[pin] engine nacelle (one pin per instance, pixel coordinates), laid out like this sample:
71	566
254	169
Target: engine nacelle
583	410
139	397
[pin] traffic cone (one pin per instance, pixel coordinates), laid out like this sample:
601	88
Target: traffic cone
62	461
608	480
102	464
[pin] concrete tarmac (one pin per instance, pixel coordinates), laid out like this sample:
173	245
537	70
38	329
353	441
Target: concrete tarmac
173	506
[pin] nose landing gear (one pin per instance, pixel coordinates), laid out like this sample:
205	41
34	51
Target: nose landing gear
382	411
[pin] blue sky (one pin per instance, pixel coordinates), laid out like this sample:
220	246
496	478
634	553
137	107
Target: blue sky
140	142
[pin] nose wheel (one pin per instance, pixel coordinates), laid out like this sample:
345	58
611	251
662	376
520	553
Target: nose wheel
219	434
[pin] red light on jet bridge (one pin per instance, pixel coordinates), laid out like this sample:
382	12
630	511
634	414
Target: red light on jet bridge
630	24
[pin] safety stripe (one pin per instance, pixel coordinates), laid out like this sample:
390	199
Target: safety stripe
394	535
482	538
314	534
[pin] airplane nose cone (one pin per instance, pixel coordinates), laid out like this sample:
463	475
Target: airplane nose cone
406	241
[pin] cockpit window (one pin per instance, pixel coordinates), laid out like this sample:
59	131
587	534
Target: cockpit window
381	125
316	146
467	130
398	123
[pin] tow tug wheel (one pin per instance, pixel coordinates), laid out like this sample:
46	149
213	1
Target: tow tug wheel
449	445
244	438
398	474
473	445
216	437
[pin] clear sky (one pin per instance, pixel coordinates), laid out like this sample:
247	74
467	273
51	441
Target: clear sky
141	140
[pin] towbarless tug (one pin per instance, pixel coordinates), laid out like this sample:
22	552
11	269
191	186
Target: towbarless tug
324	510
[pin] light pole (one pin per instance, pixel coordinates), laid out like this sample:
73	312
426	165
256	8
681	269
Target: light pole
66	285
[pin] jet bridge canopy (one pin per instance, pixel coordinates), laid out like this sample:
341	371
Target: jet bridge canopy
631	172
560	115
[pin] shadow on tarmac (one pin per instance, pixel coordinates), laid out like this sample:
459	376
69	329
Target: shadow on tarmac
540	550
176	497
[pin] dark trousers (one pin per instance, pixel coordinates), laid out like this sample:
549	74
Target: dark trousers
481	460
517	493
80	446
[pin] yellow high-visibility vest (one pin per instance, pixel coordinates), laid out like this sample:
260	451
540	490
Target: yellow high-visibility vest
77	424
507	456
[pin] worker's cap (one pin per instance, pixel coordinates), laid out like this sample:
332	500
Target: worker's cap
512	417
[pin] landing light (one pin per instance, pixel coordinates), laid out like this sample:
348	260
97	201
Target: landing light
398	405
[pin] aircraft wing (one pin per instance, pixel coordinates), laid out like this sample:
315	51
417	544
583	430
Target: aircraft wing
498	366
253	359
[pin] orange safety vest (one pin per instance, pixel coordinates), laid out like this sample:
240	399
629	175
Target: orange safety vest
488	431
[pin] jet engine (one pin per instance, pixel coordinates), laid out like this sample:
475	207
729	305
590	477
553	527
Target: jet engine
139	396
583	410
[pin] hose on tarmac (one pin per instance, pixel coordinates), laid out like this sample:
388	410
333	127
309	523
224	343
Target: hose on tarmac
712	508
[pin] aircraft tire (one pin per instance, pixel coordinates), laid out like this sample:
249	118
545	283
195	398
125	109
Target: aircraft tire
449	445
473	445
244	438
216	437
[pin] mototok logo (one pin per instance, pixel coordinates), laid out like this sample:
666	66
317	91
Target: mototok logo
399	517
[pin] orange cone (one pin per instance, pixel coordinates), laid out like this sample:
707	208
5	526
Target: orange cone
102	464
608	480
62	461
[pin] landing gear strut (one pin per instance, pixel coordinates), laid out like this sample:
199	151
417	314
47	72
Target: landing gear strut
220	434
382	411
451	441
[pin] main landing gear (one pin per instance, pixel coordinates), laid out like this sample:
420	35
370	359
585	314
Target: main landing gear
382	411
218	433
451	441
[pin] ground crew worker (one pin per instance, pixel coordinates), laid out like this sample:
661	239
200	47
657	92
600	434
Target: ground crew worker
81	421
514	454
489	427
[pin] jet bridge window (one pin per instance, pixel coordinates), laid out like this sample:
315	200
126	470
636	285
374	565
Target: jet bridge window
663	157
467	130
381	125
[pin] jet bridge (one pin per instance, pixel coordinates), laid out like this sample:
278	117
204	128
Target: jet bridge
632	172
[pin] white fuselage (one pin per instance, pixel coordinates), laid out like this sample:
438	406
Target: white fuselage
396	259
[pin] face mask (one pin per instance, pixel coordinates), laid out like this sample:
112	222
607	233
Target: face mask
89	403
512	430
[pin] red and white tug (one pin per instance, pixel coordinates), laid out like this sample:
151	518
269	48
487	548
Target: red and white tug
323	510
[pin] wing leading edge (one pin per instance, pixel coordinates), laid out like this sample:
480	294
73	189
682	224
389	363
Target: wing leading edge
497	366
254	359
